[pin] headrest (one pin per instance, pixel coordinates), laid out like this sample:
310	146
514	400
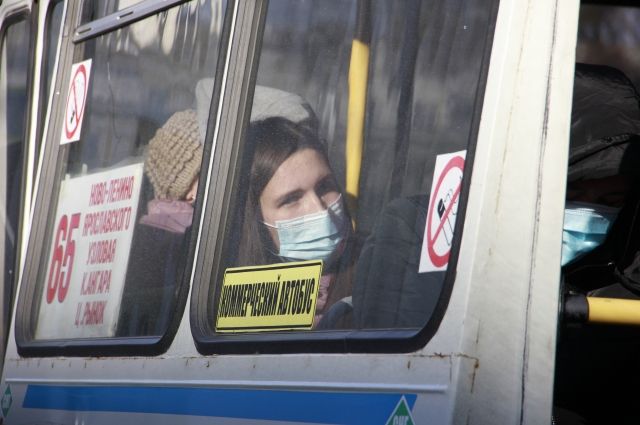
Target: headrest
268	102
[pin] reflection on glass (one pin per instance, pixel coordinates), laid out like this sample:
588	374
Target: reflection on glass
52	38
120	231
609	36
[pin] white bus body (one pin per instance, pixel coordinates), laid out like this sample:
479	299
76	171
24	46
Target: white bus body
491	360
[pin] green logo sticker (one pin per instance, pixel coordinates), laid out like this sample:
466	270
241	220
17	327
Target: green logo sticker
401	414
6	401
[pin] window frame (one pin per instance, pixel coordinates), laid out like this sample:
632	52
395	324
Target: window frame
20	12
44	104
52	169
122	18
245	53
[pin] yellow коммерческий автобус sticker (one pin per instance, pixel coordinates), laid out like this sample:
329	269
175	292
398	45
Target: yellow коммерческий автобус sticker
269	298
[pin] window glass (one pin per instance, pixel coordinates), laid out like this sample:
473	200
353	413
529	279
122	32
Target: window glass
609	36
52	38
308	249
121	215
13	113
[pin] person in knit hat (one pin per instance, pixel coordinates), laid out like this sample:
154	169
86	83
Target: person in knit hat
172	164
174	153
174	156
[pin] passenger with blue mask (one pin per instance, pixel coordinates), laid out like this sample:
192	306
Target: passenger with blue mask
593	204
289	205
586	226
595	364
599	248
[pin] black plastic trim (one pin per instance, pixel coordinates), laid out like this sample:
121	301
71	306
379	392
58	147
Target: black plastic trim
575	308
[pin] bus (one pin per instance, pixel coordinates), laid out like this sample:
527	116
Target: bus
308	212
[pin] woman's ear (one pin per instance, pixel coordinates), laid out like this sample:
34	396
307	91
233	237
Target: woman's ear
190	197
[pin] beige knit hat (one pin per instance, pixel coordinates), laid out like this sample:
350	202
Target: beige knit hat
174	156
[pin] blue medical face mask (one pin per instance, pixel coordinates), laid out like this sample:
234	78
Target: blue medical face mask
314	236
585	227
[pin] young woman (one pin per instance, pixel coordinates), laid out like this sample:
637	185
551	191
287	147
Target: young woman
294	210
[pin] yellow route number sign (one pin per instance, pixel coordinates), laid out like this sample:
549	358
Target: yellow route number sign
269	298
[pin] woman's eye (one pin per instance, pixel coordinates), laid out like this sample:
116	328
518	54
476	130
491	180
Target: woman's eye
326	186
289	200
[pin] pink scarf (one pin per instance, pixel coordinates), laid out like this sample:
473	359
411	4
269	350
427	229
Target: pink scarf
174	216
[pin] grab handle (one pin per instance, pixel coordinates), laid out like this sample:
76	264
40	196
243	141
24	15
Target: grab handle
614	311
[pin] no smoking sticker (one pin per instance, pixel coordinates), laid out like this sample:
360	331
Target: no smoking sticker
76	102
443	209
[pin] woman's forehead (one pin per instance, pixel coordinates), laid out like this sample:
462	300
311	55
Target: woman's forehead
303	168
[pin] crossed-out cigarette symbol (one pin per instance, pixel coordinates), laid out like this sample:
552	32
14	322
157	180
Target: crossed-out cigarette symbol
441	215
76	101
443	204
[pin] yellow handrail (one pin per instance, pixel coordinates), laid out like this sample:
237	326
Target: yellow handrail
358	76
613	311
358	79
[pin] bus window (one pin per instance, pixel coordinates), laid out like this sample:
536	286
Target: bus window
116	248
14	64
324	235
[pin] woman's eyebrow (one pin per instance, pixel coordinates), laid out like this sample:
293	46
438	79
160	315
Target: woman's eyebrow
280	200
327	178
